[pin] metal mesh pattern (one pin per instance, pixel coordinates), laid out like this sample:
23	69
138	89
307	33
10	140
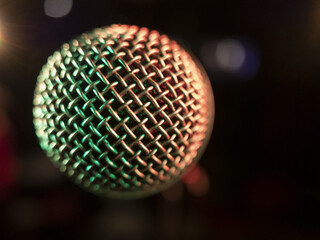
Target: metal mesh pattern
122	110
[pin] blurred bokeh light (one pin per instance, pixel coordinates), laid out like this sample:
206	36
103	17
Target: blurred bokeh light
197	181
233	57
57	8
1	37
230	55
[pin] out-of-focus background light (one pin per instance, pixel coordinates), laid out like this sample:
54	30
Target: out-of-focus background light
314	26
238	59
230	55
197	181
1	36
1	40
57	8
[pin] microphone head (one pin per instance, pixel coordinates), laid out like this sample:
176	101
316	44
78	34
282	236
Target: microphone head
123	111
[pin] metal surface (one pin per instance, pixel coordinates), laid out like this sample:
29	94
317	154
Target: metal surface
123	110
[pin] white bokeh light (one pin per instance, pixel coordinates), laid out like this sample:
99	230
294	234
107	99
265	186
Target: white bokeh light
57	8
230	54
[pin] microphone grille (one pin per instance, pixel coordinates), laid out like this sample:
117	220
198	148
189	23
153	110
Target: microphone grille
123	110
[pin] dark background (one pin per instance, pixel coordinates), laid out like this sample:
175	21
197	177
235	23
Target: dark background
259	177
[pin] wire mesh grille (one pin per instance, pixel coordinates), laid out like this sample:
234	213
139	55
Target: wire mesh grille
121	109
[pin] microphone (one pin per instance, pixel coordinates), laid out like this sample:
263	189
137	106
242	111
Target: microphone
123	111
